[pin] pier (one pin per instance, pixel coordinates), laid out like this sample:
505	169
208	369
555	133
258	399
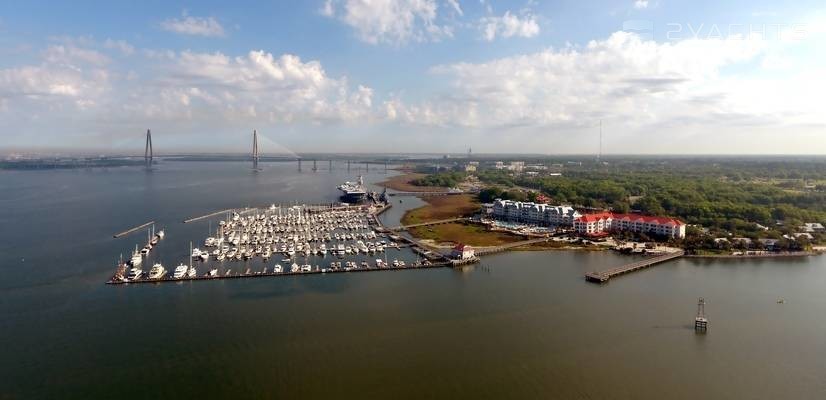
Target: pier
438	222
481	251
416	194
193	219
604	276
126	232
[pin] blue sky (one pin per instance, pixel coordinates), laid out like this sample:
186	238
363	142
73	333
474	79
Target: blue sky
414	75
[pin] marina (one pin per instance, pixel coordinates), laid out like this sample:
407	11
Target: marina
304	235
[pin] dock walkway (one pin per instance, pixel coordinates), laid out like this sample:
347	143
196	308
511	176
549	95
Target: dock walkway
481	251
428	223
268	274
604	276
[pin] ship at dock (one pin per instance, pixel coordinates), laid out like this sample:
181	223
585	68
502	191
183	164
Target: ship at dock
353	192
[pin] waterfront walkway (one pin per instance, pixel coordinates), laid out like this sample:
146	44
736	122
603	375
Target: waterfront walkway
428	223
604	276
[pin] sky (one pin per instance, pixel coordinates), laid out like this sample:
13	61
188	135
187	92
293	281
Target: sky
429	76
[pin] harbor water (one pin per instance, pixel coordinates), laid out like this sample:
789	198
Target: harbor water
517	325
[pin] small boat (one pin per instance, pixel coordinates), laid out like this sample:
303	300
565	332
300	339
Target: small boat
191	272
213	272
306	268
294	267
277	269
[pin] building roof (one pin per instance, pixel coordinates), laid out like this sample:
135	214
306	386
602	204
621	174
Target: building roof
649	219
595	217
629	217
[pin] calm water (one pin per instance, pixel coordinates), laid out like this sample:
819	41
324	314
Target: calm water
521	325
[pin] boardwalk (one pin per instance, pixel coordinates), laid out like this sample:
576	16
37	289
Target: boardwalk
604	276
438	222
416	194
481	251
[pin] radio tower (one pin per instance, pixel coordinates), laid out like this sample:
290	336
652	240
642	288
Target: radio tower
147	153
254	149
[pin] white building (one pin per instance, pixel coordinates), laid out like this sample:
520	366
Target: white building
463	252
596	224
534	213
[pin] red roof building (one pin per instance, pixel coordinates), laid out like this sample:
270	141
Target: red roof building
593	224
463	252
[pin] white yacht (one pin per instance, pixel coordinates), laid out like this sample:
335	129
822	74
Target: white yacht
213	272
157	271
306	268
180	271
294	267
191	272
137	258
277	269
135	273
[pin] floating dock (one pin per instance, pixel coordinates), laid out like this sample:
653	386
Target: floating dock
604	276
117	235
271	274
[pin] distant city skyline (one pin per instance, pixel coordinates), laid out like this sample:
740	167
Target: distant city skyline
414	76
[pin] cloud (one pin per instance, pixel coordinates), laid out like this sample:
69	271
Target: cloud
71	55
622	77
121	45
393	22
640	4
190	25
509	25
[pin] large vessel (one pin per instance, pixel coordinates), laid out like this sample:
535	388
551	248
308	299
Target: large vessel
180	271
137	258
353	192
157	271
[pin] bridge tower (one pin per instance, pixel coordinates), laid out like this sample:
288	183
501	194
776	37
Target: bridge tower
147	153
701	322
255	156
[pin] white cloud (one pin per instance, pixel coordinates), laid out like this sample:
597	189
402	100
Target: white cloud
71	55
392	21
640	83
190	25
640	4
124	47
509	25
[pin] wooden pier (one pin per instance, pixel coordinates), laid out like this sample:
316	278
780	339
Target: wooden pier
438	222
481	251
604	276
126	232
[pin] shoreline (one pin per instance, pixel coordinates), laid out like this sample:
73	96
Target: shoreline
402	183
753	256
